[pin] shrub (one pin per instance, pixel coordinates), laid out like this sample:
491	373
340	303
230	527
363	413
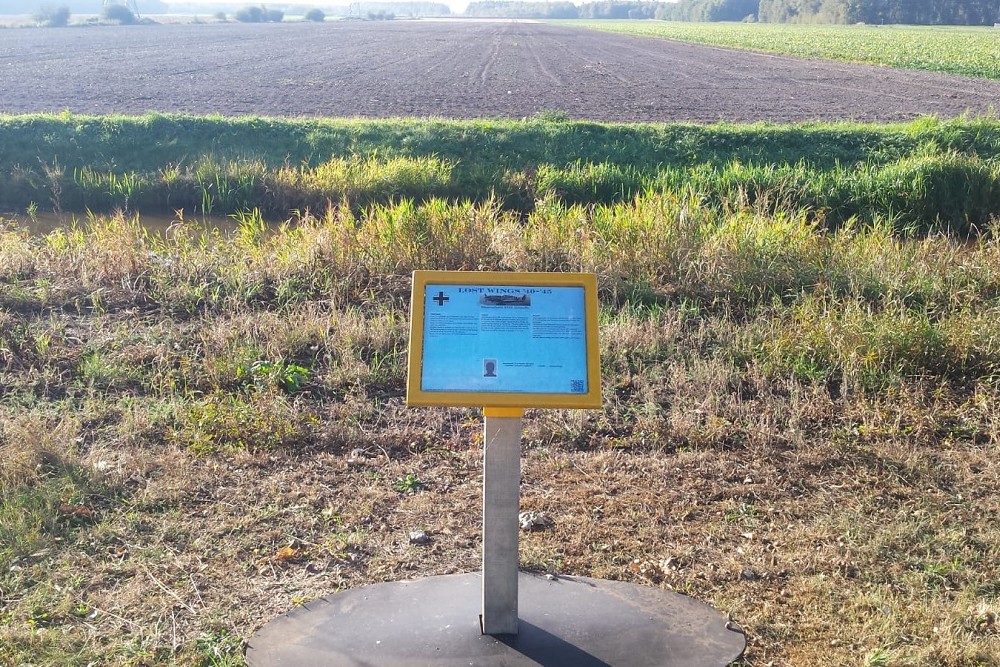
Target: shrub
219	16
250	15
259	15
50	17
118	13
316	15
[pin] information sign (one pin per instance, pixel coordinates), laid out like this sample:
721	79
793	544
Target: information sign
491	339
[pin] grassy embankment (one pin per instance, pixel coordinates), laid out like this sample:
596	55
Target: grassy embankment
972	51
801	410
924	176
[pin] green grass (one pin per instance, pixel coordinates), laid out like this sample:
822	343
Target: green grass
154	142
925	175
954	50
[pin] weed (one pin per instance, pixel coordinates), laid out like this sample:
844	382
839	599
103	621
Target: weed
409	484
220	423
879	657
550	116
289	377
220	649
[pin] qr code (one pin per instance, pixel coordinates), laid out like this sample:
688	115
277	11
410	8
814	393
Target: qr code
576	386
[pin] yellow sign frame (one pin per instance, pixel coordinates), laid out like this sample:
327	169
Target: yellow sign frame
417	396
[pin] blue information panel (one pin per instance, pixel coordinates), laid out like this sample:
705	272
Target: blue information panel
504	338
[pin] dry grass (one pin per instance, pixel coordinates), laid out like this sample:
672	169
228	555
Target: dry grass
799	427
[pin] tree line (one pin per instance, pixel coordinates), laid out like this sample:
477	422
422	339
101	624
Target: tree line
913	12
566	10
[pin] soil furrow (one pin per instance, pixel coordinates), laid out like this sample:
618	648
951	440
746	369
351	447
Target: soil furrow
457	69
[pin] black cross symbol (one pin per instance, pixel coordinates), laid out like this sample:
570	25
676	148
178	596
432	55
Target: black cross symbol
440	298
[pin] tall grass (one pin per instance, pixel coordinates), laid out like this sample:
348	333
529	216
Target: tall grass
154	141
924	177
210	186
838	300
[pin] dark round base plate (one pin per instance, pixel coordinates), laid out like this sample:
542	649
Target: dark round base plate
571	621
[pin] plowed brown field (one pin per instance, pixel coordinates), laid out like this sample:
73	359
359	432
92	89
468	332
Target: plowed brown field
455	69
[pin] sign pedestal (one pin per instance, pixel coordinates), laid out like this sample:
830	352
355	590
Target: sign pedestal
501	501
504	340
564	622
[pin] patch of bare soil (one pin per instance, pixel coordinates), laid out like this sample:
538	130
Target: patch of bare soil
454	69
790	533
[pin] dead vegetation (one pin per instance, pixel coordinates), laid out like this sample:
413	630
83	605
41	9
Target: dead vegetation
198	434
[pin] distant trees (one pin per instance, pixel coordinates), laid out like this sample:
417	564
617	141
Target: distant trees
249	15
522	10
53	17
621	10
712	10
608	9
915	12
260	14
118	14
402	8
316	15
805	11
